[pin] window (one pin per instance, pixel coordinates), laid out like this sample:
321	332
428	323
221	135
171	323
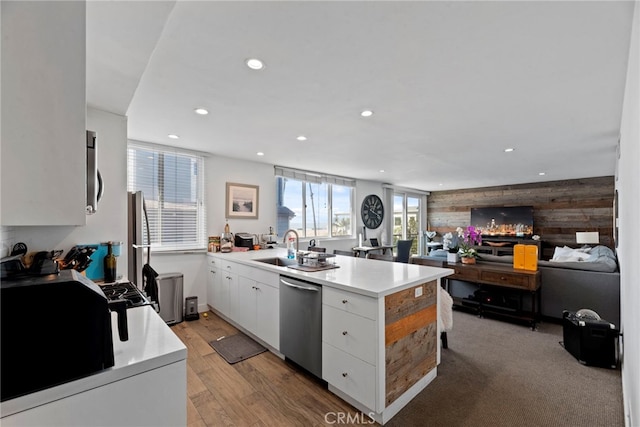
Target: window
172	182
406	219
314	205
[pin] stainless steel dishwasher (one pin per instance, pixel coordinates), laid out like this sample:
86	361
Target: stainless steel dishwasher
301	323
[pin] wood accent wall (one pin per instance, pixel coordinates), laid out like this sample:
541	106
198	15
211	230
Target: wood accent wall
411	340
560	208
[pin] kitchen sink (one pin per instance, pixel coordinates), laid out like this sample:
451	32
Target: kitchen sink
292	263
282	262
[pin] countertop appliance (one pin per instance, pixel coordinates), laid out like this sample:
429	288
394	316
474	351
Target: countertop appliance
54	329
244	240
301	323
127	292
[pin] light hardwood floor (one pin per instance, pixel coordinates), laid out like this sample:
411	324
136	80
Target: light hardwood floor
261	391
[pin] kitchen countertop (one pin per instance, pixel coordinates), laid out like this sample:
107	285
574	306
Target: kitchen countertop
151	344
368	277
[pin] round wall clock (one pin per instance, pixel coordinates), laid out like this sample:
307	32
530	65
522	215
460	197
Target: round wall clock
372	211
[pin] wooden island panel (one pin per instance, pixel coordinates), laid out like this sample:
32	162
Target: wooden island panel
410	338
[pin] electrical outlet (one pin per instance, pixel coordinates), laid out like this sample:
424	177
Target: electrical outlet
418	291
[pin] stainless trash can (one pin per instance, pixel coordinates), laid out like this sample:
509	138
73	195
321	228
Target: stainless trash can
170	289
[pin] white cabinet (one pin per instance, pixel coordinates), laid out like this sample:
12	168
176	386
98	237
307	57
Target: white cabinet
258	306
43	170
222	286
213	283
162	392
246	313
268	314
349	344
247	296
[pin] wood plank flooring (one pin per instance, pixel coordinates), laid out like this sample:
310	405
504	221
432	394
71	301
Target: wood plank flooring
261	391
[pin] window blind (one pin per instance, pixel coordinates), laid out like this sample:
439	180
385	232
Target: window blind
314	177
172	181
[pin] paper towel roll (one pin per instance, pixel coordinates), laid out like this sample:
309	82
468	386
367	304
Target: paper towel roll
359	240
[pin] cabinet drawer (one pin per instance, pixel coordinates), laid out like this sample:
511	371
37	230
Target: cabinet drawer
262	276
462	273
350	375
350	302
507	279
353	334
234	267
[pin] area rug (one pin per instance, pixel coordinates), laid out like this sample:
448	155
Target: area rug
236	348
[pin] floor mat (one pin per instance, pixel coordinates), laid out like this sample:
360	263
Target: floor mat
235	348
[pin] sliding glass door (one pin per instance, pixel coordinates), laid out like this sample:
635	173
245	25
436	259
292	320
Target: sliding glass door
407	210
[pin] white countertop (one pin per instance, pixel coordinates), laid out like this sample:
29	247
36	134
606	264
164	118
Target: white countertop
368	277
151	344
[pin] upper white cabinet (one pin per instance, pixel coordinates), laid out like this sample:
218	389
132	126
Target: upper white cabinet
43	113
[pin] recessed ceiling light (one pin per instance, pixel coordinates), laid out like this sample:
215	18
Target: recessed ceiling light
508	150
541	173
201	111
367	113
260	153
255	64
301	138
381	171
173	136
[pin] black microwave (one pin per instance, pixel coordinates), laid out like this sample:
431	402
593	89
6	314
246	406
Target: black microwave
54	329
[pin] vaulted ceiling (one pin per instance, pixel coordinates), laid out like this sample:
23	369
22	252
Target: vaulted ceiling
451	84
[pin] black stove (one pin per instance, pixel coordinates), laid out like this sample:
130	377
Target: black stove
125	291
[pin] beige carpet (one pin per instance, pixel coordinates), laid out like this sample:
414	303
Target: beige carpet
497	373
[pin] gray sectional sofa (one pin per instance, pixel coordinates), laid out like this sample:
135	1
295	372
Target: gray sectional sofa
593	283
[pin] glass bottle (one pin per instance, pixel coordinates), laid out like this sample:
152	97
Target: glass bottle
110	264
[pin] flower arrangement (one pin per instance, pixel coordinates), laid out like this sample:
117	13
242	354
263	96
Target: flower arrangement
449	244
468	238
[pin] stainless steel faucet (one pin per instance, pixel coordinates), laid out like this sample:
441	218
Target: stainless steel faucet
284	239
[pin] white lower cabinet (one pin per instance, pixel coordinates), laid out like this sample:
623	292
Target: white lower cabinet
350	333
246	314
349	374
350	344
258	308
163	391
268	314
248	296
213	278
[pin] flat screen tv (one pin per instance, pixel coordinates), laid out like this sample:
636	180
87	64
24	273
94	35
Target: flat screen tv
513	221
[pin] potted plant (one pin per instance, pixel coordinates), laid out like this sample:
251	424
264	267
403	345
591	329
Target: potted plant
450	244
468	238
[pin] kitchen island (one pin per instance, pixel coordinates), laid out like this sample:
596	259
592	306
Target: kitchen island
380	321
146	386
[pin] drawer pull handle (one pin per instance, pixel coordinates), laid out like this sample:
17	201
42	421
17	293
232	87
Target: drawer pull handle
344	332
344	301
344	374
503	278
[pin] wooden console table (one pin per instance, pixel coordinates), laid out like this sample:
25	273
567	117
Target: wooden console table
525	282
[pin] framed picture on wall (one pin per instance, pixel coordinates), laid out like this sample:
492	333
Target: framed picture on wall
241	201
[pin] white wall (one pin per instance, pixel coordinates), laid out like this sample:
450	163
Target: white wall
628	186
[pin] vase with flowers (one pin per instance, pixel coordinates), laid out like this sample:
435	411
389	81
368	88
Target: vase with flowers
467	239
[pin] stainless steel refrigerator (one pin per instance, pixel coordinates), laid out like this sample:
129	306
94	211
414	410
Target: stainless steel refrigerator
138	245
